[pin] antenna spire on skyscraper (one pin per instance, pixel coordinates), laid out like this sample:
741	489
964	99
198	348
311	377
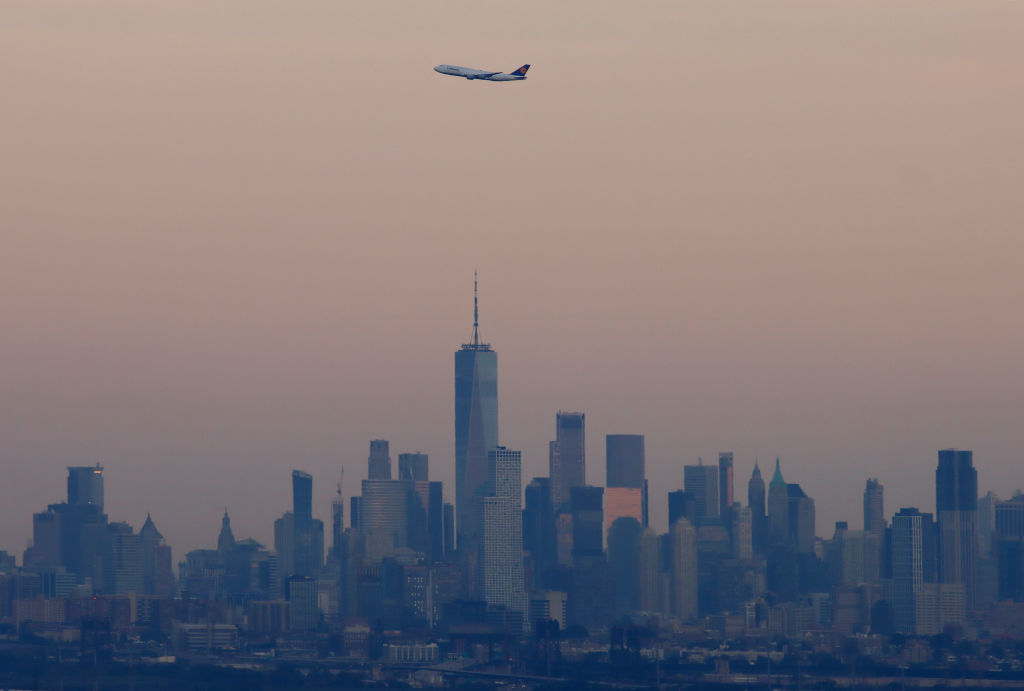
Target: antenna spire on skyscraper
476	313
476	343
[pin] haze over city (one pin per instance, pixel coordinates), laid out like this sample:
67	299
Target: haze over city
240	239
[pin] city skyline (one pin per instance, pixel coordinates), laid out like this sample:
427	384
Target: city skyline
379	455
379	449
207	274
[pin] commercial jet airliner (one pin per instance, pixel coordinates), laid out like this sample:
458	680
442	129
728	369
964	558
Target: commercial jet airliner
470	73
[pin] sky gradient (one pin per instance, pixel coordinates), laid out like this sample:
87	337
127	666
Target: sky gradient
239	238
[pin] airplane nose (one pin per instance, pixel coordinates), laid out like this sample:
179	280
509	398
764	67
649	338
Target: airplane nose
438	68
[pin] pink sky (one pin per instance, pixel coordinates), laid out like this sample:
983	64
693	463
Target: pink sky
239	237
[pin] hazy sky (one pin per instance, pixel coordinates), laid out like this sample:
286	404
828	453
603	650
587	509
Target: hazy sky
239	238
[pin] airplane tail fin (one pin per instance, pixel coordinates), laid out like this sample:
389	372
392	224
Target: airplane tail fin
522	70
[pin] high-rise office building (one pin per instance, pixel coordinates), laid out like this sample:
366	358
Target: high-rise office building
1008	547
626	493
126	559
650	572
337	521
683	571
907	567
379	462
589	599
725	489
587	504
85	485
624	554
426	519
986	523
701	482
801	519
353	512
539	534
758	518
302	494
303	608
956	503
384	517
226	538
567	458
624	502
298	537
778	509
157	570
413	466
742	532
625	460
502	545
476	426
680	505
74	534
874	507
448	528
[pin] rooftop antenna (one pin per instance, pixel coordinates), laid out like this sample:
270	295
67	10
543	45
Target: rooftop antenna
476	313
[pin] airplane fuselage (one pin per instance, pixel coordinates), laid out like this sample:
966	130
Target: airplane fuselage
470	73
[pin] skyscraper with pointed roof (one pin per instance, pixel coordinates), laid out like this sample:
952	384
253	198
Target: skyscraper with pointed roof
226	538
157	569
476	427
778	509
756	501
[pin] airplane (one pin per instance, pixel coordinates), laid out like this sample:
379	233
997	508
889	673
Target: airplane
470	73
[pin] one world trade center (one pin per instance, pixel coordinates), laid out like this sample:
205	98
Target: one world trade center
476	428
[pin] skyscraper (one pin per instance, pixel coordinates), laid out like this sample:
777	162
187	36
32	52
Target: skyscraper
302	494
426	519
567	456
413	466
874	507
742	532
907	567
126	559
956	503
725	497
476	425
589	600
539	537
157	574
801	519
587	504
756	501
502	545
337	519
85	485
624	559
298	537
379	462
625	460
384	516
680	505
626	493
701	482
778	509
683	571
75	534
